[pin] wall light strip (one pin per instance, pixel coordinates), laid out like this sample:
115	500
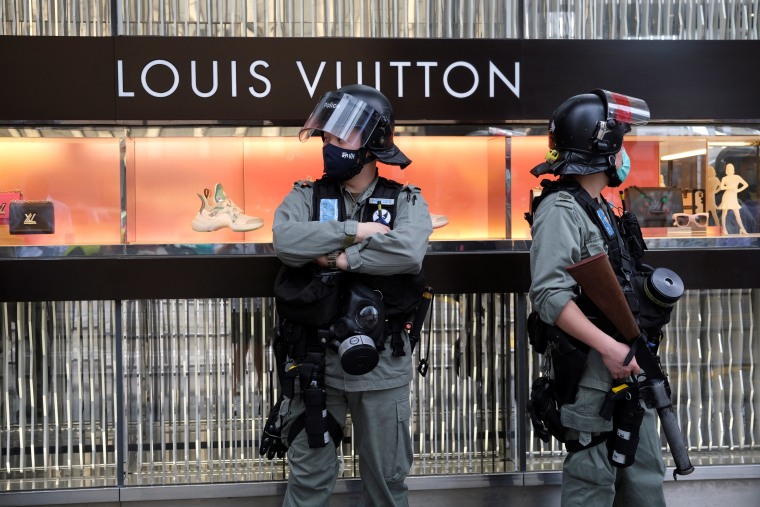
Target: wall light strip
684	154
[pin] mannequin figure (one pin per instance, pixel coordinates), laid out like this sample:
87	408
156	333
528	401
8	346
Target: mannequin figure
713	184
731	185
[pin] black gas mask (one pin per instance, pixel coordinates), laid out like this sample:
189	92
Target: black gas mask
353	336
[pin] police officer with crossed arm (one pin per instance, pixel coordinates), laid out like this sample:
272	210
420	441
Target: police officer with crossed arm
364	236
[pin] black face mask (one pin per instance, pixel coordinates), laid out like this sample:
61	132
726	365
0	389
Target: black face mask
340	164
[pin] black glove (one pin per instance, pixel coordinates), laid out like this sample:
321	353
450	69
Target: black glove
271	443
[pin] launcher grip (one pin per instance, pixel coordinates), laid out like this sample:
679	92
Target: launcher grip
595	276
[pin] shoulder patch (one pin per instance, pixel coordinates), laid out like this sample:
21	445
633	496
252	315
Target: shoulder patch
564	200
303	183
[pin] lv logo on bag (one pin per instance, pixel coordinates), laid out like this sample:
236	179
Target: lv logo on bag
32	217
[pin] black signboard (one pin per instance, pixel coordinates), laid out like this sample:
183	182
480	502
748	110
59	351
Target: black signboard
278	80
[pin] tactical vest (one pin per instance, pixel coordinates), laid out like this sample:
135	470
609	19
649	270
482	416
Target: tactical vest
621	234
625	248
401	293
380	206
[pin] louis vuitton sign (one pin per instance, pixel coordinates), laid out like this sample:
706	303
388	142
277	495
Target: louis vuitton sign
278	80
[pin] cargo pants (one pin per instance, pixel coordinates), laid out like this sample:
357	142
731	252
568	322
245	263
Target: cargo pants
588	478
383	443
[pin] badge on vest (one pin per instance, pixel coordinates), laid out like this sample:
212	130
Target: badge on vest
606	223
328	209
381	215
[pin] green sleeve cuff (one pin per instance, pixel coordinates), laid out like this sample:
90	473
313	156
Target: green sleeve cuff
350	228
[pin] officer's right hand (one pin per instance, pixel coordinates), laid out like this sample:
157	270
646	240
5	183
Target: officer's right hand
271	442
614	356
366	229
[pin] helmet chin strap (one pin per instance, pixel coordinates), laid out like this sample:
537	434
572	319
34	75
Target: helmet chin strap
611	173
364	156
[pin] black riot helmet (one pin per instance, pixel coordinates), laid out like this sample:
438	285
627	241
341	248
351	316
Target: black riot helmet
357	112
586	131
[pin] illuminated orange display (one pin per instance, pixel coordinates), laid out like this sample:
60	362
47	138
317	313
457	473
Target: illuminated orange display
459	177
467	178
81	177
169	173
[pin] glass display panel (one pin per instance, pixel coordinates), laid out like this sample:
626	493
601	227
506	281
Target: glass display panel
81	177
529	151
172	181
191	187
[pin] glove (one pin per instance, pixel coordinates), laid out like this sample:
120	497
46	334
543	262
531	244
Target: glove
271	443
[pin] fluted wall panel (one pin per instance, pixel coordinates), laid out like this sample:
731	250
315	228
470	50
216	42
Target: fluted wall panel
511	19
198	379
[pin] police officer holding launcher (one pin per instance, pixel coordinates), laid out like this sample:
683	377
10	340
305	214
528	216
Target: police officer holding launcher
571	221
373	233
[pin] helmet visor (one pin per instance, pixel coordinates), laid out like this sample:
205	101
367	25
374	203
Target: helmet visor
625	109
349	119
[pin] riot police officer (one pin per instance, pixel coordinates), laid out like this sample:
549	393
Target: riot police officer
572	221
373	233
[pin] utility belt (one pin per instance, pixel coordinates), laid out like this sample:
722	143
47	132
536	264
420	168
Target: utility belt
320	309
306	347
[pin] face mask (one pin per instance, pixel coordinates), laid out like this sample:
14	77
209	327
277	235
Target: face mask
625	167
340	164
618	175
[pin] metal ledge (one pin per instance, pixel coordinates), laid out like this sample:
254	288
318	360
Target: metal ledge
244	270
518	482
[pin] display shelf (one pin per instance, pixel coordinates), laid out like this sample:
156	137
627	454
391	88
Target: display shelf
249	269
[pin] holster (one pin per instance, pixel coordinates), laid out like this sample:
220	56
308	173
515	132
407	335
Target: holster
544	410
311	378
568	357
308	355
537	335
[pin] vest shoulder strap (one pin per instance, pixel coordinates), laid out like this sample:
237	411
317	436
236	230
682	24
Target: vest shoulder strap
608	227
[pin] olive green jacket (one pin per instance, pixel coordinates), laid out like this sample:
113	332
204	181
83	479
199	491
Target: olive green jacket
298	240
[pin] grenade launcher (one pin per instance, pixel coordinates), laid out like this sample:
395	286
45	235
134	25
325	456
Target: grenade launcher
598	281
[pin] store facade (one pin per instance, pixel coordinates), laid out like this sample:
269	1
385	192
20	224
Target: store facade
136	348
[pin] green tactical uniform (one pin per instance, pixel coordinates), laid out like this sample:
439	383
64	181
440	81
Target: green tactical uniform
563	234
379	400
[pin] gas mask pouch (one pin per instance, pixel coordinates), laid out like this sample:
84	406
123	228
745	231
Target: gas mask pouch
354	334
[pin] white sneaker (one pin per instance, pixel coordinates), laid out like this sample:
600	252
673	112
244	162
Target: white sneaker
439	220
219	212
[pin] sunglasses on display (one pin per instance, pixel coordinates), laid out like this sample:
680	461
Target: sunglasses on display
685	219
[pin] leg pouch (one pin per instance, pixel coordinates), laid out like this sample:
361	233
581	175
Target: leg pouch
626	419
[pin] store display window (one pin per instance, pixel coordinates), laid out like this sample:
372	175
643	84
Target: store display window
79	178
218	186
